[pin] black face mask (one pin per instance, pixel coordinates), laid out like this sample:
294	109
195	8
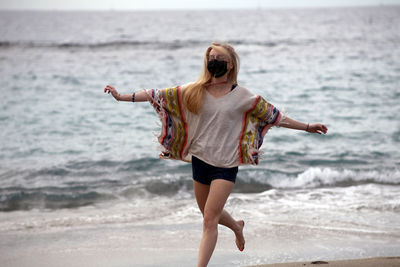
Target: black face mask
217	68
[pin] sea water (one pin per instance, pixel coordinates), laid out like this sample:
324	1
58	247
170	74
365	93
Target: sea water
80	179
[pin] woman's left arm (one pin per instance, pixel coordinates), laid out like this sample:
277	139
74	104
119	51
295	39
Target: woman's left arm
308	127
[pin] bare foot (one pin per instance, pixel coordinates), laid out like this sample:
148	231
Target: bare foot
239	236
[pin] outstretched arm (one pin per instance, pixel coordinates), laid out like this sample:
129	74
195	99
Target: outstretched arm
297	125
139	96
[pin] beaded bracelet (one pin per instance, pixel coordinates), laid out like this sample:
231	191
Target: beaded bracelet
133	97
307	127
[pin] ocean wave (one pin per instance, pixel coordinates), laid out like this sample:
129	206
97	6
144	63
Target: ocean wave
80	194
19	198
329	177
165	45
82	183
116	43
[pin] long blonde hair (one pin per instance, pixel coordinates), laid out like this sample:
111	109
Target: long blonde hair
193	93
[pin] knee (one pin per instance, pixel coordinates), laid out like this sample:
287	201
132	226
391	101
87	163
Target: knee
210	221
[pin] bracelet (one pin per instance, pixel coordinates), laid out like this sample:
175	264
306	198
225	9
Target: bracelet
307	127
133	97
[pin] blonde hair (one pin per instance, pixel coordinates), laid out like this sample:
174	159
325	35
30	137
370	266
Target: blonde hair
193	93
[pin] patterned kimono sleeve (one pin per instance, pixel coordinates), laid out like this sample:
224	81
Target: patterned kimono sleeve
268	113
256	122
168	105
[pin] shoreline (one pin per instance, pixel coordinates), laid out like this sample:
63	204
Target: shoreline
364	262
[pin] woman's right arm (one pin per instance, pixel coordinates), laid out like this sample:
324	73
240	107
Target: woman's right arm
139	96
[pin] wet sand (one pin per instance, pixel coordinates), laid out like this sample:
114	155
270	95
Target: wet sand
372	262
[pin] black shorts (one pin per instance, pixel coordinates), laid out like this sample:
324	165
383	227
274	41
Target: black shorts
205	173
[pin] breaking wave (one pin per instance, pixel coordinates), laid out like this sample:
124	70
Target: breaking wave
86	183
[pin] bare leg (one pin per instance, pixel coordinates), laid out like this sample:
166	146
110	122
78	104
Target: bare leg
217	196
201	191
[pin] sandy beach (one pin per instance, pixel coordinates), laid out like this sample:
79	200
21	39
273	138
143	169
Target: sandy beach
371	262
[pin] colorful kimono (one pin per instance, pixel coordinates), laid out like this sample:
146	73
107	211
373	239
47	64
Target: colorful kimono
254	114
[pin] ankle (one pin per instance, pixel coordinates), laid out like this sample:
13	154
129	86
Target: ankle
236	227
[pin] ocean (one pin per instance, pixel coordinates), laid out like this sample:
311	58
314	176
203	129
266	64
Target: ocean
81	183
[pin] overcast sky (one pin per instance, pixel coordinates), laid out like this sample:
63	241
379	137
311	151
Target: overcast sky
181	4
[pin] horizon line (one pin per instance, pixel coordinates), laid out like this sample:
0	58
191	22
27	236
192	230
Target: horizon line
201	9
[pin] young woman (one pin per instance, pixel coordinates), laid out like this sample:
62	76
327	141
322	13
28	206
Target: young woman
217	125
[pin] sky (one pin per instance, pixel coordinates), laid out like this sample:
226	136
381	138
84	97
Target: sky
180	4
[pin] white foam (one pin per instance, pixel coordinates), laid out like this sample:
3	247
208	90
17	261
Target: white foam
317	177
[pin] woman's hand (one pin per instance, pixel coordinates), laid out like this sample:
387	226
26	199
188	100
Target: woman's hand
317	128
113	91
